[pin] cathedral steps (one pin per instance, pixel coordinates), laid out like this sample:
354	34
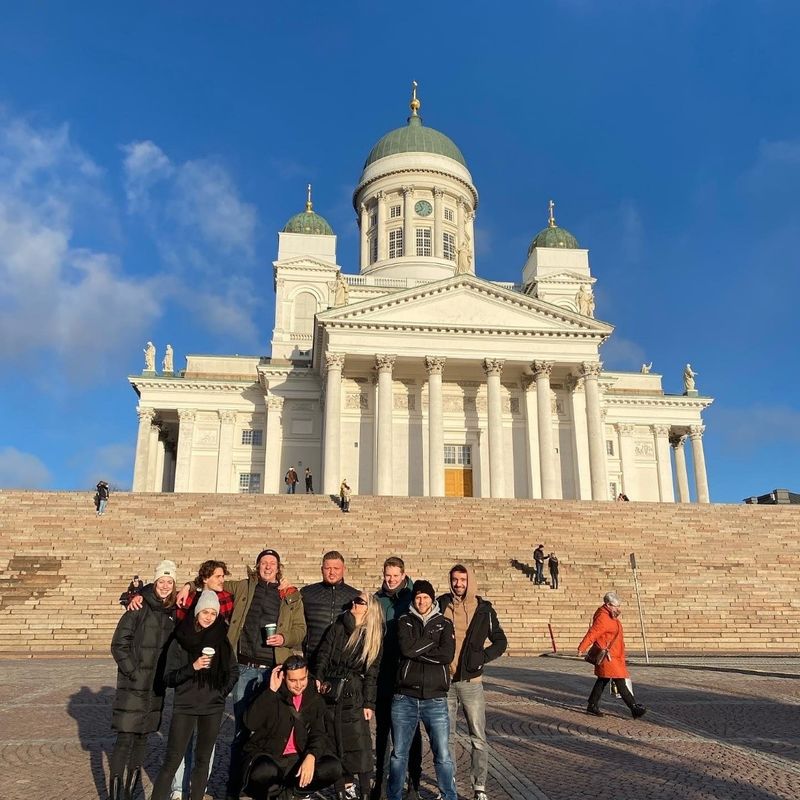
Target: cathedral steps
715	578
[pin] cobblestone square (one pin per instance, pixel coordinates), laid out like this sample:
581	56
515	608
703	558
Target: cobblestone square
722	728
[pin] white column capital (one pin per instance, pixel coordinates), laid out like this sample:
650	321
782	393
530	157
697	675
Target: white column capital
540	368
384	362
437	192
677	440
591	369
435	364
334	361
186	414
660	431
696	431
275	403
145	414
408	190
493	366
227	416
625	428
380	195
461	201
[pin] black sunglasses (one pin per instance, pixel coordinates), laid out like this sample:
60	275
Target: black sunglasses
359	601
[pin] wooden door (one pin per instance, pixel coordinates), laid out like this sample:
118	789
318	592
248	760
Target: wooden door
458	483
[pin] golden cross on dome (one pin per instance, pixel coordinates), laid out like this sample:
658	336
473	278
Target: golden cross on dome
309	206
415	103
551	222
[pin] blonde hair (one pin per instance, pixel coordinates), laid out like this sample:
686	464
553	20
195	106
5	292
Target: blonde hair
368	632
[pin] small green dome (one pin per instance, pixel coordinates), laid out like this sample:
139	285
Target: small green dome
414	138
308	222
553	236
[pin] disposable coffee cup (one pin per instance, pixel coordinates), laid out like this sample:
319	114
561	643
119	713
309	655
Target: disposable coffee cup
270	630
208	651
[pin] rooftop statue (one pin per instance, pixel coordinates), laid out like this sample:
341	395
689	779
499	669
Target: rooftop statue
688	378
464	258
342	291
646	368
585	301
167	363
150	357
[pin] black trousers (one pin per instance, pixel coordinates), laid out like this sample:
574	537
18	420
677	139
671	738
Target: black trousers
269	775
622	687
180	731
383	729
129	751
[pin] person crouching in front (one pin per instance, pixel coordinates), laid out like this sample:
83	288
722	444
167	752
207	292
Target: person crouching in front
288	749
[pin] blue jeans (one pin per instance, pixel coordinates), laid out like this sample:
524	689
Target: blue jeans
407	712
101	506
291	488
251	681
180	783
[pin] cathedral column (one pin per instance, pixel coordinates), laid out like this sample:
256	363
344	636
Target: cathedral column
152	459
331	458
364	238
594	425
677	441
460	222
580	439
142	461
547	466
438	216
435	367
627	457
666	492
384	364
158	482
227	418
470	231
699	459
183	460
409	246
273	449
381	228
493	368
532	436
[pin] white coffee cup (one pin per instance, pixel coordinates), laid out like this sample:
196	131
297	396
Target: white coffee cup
208	651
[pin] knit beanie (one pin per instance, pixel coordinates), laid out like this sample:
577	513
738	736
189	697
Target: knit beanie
166	569
208	599
424	587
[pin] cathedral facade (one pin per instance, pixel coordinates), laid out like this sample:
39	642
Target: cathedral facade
414	376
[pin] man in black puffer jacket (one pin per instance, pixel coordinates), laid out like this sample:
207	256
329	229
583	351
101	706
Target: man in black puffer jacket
323	602
288	748
427	647
474	622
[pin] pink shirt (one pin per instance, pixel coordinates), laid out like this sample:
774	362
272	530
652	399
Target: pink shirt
291	746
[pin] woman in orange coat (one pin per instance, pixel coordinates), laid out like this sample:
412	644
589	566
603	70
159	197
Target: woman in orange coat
606	633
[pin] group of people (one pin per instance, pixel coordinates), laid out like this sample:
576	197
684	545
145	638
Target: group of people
291	479
552	566
308	669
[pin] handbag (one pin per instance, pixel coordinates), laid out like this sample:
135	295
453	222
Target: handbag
332	690
597	655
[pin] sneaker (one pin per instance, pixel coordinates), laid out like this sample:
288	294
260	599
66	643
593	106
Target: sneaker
638	711
594	711
481	796
176	796
351	792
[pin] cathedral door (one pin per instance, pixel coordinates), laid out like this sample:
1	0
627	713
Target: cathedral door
458	483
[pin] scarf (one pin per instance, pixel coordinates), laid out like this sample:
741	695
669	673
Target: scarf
193	641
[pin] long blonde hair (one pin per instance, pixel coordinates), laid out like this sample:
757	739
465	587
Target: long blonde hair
368	632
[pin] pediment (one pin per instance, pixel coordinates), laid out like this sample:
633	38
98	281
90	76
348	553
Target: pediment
462	302
305	262
565	276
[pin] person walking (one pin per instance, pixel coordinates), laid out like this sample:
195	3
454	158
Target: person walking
138	647
605	642
103	493
344	495
552	566
538	560
291	480
309	481
427	647
347	668
474	623
201	667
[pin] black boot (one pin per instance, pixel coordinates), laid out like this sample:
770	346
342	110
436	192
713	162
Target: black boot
115	787
133	781
594	711
638	711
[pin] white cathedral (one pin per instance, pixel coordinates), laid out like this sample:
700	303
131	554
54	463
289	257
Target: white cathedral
414	376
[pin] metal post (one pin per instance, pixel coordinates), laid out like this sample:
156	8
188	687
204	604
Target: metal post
552	638
639	604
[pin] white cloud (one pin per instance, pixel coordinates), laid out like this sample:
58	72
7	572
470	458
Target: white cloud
20	470
54	296
620	353
746	429
144	166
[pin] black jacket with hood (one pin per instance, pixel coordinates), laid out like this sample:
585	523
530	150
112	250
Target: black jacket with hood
427	646
474	655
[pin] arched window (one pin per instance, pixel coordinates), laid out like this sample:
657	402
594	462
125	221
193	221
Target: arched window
305	306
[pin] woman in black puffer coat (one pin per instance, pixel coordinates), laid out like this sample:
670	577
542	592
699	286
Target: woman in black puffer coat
350	652
139	648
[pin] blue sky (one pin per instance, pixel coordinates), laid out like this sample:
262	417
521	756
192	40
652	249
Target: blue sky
150	153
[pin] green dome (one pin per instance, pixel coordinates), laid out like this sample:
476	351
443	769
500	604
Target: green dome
308	222
553	236
414	138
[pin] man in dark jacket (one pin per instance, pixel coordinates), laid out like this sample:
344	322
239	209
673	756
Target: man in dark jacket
395	599
289	747
323	602
474	622
427	647
538	560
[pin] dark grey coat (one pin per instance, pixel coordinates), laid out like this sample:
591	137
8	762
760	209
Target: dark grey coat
139	647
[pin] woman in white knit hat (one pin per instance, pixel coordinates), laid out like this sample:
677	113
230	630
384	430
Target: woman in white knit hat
202	667
137	647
